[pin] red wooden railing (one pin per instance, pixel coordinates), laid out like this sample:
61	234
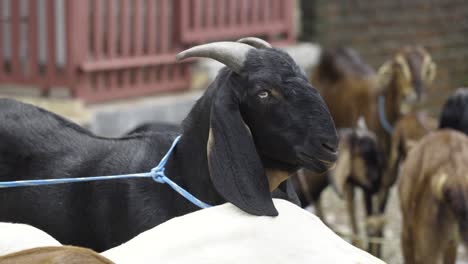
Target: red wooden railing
109	49
208	20
28	44
131	49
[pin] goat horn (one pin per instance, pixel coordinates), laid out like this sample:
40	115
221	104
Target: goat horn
255	42
231	54
361	123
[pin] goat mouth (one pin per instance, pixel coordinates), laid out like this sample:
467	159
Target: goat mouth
316	164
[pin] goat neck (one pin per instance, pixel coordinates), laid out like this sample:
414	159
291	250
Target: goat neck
190	156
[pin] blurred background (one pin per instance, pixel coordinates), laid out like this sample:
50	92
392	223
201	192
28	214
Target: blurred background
110	65
101	52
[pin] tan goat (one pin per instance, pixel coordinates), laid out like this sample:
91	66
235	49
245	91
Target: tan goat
433	189
359	164
351	88
407	131
55	255
403	81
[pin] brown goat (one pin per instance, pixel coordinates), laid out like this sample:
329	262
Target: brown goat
351	89
359	164
433	189
407	131
55	255
348	86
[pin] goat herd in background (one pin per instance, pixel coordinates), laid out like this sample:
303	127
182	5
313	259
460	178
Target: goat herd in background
427	157
259	122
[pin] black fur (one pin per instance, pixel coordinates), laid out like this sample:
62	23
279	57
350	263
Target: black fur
367	148
455	111
284	191
290	130
153	127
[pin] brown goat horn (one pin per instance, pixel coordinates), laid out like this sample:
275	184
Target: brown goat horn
255	42
231	54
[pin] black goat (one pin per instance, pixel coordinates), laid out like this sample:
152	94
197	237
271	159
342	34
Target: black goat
258	122
455	111
151	127
287	190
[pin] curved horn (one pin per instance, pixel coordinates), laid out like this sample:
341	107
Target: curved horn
255	42
361	123
231	54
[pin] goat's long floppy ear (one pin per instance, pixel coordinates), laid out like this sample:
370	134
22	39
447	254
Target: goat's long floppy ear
438	185
340	174
235	167
431	73
384	75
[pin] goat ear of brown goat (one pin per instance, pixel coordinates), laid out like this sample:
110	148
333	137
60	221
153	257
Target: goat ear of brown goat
430	71
235	167
438	186
385	75
340	174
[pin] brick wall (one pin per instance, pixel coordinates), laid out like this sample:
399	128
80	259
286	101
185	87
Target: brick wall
377	28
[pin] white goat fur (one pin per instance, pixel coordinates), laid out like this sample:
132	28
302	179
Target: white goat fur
221	234
16	237
225	234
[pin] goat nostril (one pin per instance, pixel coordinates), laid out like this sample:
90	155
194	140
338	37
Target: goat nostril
328	147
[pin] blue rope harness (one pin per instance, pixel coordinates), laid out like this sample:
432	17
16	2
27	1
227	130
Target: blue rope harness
157	173
383	120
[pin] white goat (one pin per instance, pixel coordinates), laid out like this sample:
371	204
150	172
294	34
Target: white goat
221	234
225	234
16	237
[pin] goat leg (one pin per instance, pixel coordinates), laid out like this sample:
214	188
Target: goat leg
374	225
382	199
368	203
407	245
319	210
349	195
369	212
375	248
450	253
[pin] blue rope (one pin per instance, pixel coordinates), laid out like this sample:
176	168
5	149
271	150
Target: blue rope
157	173
383	120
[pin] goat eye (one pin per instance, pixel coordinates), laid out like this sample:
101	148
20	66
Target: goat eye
263	94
